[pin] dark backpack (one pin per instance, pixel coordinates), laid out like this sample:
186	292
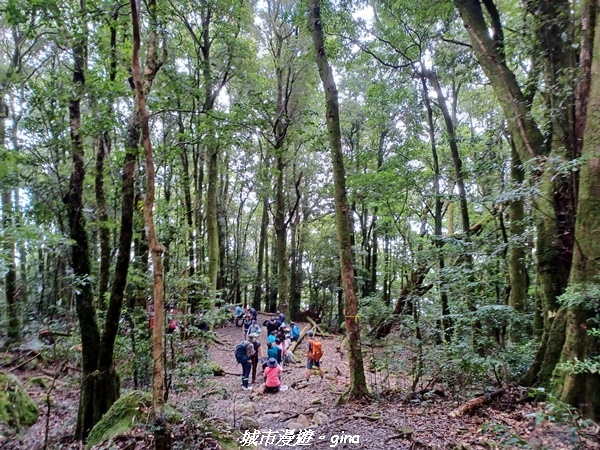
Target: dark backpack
241	355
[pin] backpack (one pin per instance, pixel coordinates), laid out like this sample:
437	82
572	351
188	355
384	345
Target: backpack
241	355
316	351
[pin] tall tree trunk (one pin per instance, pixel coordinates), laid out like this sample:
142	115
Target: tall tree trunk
212	224
294	305
516	265
387	269
456	159
187	195
281	226
162	437
13	323
223	200
21	246
358	384
84	297
262	249
103	146
554	204
445	322
272	293
102	149
582	388
199	157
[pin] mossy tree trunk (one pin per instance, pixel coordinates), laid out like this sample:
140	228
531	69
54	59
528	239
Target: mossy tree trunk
212	223
358	385
554	206
583	389
517	268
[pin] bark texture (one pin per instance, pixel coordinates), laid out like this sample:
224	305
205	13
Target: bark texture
583	388
161	435
358	385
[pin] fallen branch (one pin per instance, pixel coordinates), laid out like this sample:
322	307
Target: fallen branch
366	417
471	406
317	329
398	436
29	360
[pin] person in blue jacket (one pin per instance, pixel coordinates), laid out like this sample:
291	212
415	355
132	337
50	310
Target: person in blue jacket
295	333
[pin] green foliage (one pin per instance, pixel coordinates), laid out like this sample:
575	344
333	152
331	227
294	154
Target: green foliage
374	311
133	350
586	296
561	413
506	437
576	366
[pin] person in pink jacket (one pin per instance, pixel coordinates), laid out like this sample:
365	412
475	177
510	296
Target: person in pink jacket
272	376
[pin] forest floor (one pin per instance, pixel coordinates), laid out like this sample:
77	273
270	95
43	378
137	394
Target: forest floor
392	419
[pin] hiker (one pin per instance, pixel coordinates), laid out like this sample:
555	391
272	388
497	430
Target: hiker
281	318
271	325
253	328
295	332
253	313
314	354
274	351
272	337
282	338
252	337
279	343
246	324
244	352
272	376
281	334
239	315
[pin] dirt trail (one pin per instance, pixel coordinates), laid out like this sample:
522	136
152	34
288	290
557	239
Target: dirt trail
372	426
387	421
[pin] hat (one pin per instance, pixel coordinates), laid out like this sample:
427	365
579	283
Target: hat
292	323
272	362
252	336
310	332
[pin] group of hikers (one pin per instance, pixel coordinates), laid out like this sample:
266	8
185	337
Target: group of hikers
249	353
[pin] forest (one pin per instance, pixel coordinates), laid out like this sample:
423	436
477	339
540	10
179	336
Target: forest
416	185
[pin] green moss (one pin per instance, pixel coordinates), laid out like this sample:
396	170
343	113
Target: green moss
39	382
215	369
17	409
129	411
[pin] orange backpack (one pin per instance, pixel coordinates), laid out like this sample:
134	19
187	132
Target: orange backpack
315	350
